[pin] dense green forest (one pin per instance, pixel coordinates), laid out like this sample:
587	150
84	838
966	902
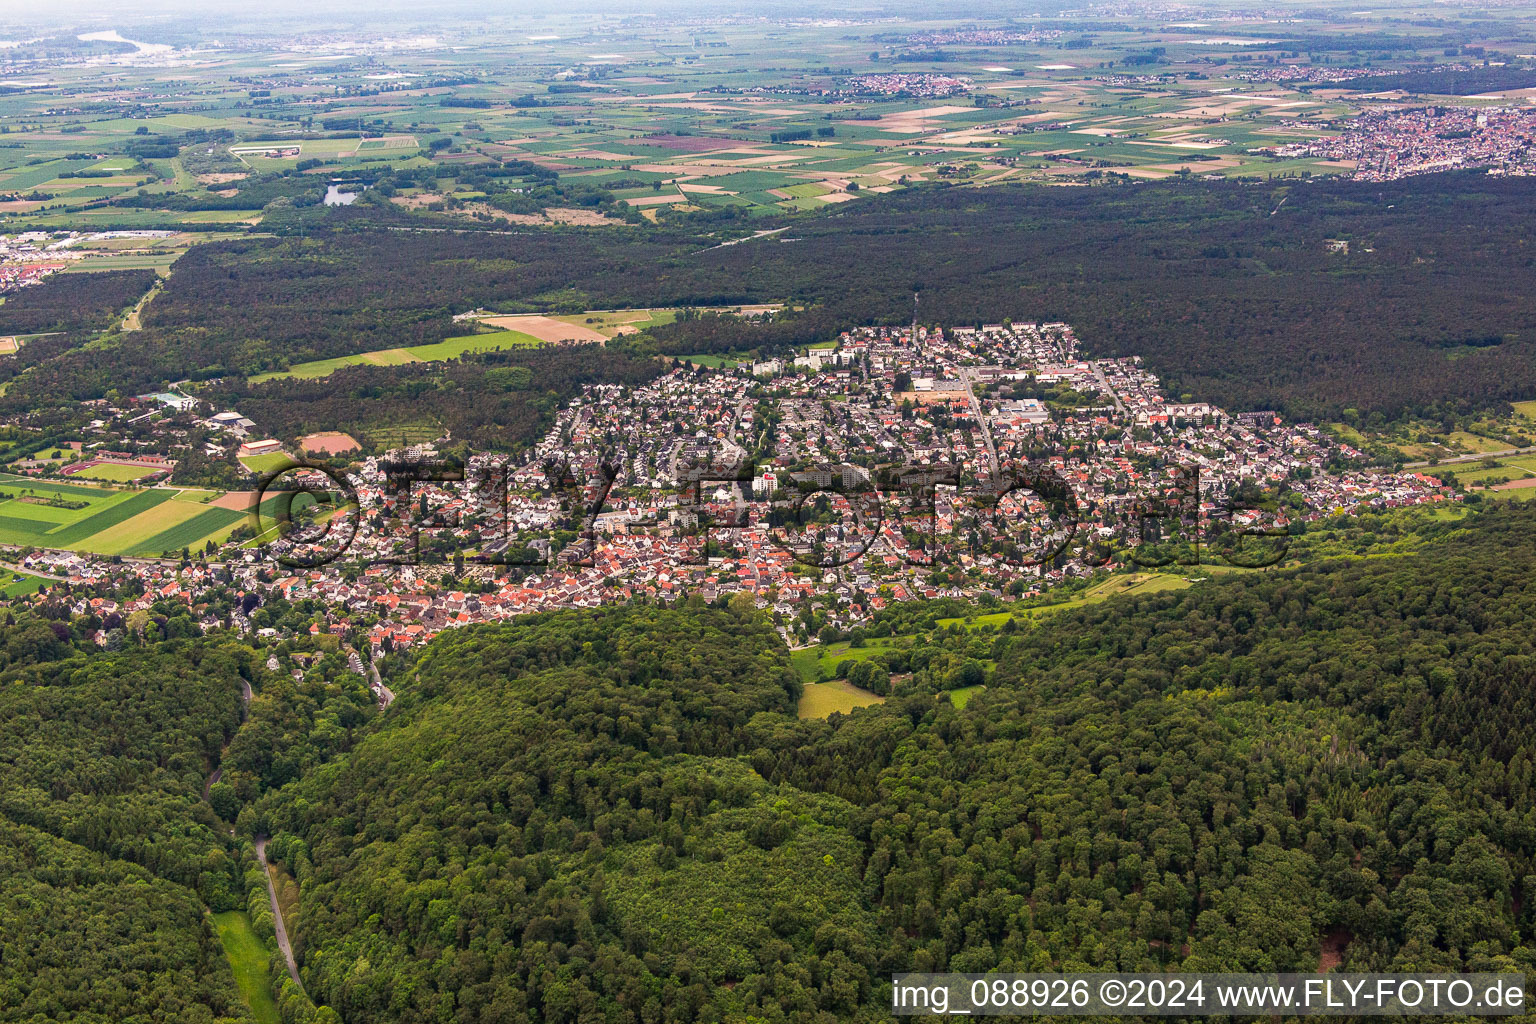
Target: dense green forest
503	400
1230	290
115	833
1228	294
96	940
1445	83
316	297
615	814
108	859
72	302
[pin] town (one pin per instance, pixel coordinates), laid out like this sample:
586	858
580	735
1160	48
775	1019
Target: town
892	464
1391	142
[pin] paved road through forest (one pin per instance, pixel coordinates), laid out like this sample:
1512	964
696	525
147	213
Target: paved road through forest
277	913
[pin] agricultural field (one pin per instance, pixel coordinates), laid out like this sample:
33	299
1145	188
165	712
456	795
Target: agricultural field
822	699
1504	477
449	348
336	153
192	533
263	518
509	331
741	120
613	322
452	348
45	514
325	367
110	521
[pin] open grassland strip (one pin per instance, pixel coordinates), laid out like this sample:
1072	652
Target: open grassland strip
248	959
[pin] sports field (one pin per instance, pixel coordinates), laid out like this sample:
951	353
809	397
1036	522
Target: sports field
265	463
330	442
115	472
714	361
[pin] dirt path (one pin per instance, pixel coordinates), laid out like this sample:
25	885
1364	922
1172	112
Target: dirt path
133	321
277	914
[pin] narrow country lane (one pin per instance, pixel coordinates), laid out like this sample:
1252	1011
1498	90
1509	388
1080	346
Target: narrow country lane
277	913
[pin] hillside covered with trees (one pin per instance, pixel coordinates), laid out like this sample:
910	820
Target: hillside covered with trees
109	862
616	814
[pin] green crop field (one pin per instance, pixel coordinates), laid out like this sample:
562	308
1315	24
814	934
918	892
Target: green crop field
448	348
192	533
126	537
310	370
248	959
91	534
1487	475
26	523
806	191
